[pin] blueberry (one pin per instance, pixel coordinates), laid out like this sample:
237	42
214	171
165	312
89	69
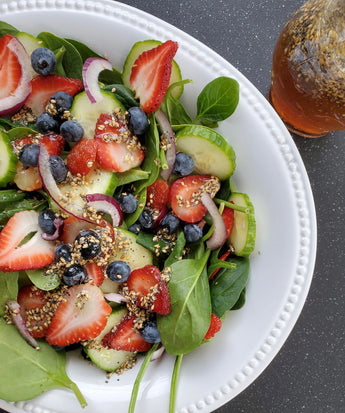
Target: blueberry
192	232
146	218
90	244
28	155
60	102
46	123
118	271
72	131
128	202
137	121
73	275
58	168
135	228
43	61
63	251
150	332
170	222
46	221
184	164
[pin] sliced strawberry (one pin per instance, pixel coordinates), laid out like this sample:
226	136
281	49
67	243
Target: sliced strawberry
151	291
118	150
53	142
95	273
27	178
228	217
10	69
185	194
126	337
215	326
151	73
157	195
82	157
43	87
80	316
33	254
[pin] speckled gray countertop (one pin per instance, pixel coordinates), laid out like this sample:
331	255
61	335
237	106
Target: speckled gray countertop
308	374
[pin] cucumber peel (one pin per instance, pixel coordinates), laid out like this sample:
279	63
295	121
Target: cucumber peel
8	160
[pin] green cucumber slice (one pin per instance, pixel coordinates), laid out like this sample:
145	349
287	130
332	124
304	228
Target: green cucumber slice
87	113
129	251
29	42
243	234
8	160
106	359
136	51
211	152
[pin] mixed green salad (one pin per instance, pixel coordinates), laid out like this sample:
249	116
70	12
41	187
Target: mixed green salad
121	231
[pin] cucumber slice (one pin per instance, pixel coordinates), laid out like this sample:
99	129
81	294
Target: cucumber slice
127	249
211	152
109	286
136	51
87	113
29	42
108	359
243	234
8	160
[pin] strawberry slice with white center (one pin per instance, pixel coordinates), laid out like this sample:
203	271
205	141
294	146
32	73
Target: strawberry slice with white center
10	70
33	254
80	316
151	73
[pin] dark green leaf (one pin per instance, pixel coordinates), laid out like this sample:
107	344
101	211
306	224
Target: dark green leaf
9	196
22	205
175	111
84	51
241	301
123	94
109	77
6	28
177	251
21	132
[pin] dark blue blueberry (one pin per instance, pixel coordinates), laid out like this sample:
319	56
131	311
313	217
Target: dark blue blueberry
146	218
184	164
61	102
118	271
72	131
137	121
170	222
73	275
192	232
150	332
58	168
90	244
135	228
128	202
63	251
43	61
46	221
46	123
28	155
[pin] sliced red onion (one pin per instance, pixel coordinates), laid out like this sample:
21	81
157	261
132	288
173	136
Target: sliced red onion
93	66
160	216
18	321
106	204
12	103
218	237
58	224
115	298
158	353
170	141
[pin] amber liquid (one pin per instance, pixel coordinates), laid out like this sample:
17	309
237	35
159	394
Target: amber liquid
308	73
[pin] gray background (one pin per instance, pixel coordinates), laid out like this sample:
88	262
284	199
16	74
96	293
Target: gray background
308	375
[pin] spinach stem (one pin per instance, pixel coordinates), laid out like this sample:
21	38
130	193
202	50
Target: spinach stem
232	206
78	394
174	382
139	377
164	164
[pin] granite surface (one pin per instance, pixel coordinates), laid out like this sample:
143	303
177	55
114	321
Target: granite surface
308	374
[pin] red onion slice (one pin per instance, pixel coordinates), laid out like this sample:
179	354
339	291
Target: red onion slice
58	224
106	204
93	66
12	103
218	237
169	137
158	353
115	298
18	321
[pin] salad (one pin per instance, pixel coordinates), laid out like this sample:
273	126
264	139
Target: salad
122	232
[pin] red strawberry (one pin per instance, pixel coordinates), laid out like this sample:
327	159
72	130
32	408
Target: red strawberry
215	326
53	142
10	69
125	337
43	87
118	150
32	300
151	291
150	75
95	273
157	194
82	157
35	253
228	217
80	316
185	194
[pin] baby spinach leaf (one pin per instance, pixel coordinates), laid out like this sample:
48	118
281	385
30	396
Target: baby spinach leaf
185	327
218	100
22	205
84	51
8	288
228	284
25	372
44	281
6	28
21	132
241	301
123	94
133	175
175	111
177	251
110	76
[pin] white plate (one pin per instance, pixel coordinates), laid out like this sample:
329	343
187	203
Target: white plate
269	169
